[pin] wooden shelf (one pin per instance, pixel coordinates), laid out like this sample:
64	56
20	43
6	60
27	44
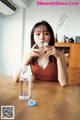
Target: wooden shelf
60	44
72	55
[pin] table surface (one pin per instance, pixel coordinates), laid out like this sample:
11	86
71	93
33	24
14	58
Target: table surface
53	101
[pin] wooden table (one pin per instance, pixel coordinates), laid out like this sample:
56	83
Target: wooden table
53	101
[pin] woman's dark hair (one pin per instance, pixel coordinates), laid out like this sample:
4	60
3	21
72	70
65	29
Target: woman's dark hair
50	30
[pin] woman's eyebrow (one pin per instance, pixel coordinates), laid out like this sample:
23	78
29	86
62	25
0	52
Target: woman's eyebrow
46	31
37	31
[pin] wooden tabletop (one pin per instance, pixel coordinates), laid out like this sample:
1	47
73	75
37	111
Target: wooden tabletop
53	101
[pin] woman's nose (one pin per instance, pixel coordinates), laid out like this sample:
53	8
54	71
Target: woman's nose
41	36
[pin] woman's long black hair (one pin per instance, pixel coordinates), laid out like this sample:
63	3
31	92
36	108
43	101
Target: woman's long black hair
52	40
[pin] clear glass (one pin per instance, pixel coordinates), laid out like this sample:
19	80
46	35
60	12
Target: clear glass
42	47
25	84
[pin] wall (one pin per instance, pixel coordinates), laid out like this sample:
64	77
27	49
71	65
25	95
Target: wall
11	37
15	30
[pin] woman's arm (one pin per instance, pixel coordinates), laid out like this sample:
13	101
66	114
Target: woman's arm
26	61
62	69
61	63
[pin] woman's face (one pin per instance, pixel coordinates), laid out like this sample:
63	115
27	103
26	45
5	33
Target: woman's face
41	35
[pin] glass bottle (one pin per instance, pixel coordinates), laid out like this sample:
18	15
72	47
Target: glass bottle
25	84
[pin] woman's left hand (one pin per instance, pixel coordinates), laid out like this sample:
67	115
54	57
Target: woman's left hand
51	50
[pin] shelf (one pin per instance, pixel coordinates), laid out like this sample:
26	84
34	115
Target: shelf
71	51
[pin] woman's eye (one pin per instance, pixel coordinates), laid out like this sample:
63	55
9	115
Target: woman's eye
46	33
38	34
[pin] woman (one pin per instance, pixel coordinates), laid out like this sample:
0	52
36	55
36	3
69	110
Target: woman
46	62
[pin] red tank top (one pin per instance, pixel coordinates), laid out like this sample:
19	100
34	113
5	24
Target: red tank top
50	73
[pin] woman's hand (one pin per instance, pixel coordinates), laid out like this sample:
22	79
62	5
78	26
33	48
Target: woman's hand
51	50
34	52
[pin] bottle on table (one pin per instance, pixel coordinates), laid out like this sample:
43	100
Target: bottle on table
25	84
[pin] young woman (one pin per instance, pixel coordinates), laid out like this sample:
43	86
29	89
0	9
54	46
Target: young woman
46	62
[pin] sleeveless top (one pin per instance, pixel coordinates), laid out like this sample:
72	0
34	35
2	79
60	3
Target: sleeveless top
50	73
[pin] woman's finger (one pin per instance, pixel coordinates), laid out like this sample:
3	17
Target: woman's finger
35	54
36	50
34	46
51	51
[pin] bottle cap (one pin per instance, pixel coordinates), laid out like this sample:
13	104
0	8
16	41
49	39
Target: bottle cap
45	44
31	102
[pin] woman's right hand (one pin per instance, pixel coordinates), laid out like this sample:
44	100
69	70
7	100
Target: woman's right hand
34	52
